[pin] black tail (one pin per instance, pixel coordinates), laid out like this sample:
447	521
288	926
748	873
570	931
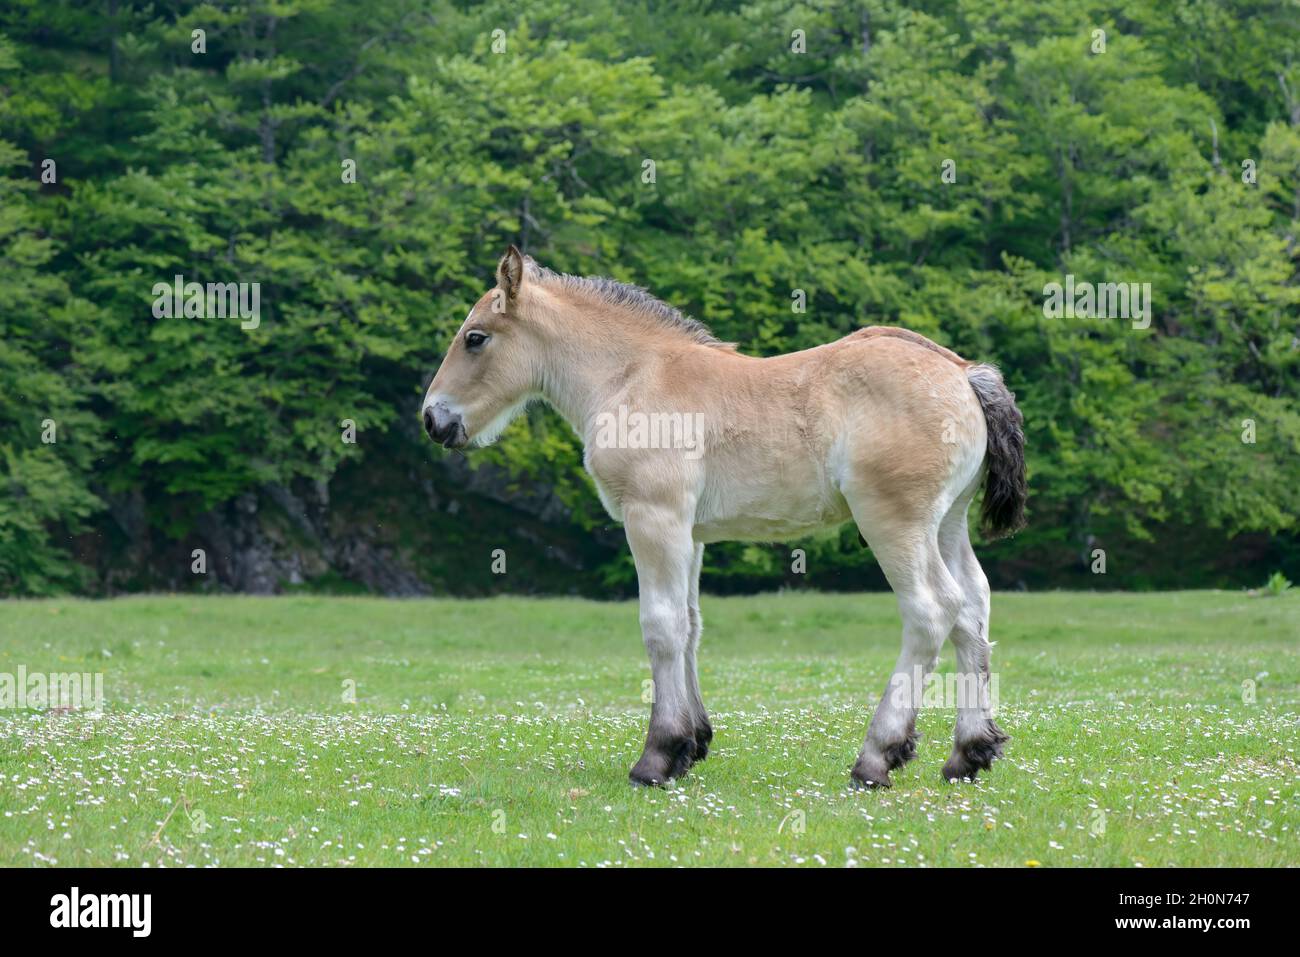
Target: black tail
1004	484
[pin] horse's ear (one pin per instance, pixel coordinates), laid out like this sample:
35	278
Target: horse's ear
510	272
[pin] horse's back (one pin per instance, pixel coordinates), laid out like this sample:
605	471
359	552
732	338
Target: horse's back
906	335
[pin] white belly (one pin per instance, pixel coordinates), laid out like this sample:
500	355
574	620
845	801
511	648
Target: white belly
767	508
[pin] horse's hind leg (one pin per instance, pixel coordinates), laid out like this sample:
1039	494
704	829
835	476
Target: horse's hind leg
928	600
978	739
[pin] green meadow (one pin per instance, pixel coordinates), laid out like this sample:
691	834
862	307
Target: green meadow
1146	730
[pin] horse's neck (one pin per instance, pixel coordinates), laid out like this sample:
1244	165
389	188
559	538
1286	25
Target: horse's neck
581	373
577	383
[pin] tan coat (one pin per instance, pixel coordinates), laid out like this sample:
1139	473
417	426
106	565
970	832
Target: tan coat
690	442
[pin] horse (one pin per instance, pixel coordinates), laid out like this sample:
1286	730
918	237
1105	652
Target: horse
882	427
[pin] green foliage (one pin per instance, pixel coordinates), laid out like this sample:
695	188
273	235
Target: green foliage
1277	584
48	438
775	171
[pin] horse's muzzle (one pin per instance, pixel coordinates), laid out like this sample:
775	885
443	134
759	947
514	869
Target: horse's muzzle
444	426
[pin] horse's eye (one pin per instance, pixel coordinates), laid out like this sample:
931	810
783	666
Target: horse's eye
475	340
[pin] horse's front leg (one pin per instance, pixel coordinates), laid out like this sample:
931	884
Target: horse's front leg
703	729
660	538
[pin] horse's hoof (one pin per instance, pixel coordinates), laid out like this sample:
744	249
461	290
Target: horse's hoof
866	784
703	735
957	769
663	762
896	755
975	754
642	779
860	782
869	773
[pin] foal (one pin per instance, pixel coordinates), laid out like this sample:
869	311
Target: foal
883	427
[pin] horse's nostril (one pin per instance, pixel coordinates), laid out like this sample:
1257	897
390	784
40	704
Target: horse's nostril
428	423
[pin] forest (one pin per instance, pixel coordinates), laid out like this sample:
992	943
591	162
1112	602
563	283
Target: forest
785	172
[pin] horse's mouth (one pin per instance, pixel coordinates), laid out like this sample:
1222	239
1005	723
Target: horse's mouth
451	434
457	439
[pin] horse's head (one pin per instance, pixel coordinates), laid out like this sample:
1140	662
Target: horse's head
489	372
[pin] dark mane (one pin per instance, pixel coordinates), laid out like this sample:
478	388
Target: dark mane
617	293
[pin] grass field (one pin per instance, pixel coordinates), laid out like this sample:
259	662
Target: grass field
501	732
